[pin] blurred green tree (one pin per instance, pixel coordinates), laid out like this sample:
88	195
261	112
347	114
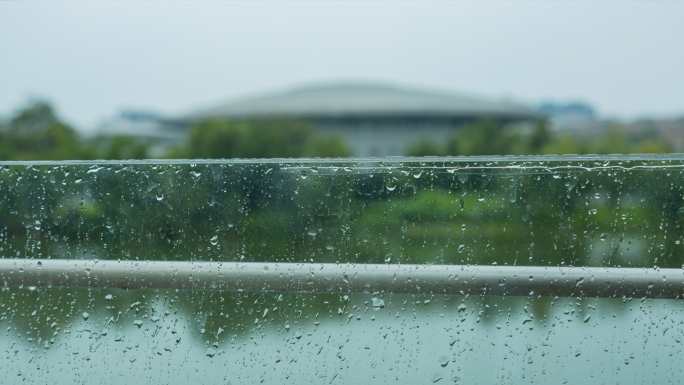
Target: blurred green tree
486	137
425	148
120	147
215	138
35	132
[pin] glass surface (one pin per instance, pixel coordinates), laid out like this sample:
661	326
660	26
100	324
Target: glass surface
550	211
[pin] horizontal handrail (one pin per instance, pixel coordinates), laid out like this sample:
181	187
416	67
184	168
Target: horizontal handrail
330	277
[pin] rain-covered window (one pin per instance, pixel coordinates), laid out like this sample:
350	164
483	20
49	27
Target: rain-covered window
541	270
349	192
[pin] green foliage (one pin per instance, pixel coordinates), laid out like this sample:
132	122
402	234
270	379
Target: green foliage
425	148
565	144
612	142
486	137
35	132
327	147
489	137
120	147
219	138
36	116
540	137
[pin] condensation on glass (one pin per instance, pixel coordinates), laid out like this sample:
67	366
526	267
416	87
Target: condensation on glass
554	212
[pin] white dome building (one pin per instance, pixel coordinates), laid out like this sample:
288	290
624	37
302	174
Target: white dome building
375	119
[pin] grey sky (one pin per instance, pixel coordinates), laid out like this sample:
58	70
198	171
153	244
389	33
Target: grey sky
92	58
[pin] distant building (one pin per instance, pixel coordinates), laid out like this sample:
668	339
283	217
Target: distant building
375	119
569	115
152	128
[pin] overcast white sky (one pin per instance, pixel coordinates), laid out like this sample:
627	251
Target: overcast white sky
92	58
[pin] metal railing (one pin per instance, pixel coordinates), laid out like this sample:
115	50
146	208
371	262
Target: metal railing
326	277
78	205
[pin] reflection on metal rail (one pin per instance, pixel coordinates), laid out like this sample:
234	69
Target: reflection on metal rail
328	277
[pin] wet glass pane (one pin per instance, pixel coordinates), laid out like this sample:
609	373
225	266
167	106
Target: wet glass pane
620	212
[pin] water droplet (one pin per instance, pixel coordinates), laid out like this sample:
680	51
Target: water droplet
214	240
160	197
93	170
377	302
138	323
85	315
109	297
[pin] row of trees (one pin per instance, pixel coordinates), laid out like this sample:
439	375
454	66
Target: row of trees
488	137
216	138
36	132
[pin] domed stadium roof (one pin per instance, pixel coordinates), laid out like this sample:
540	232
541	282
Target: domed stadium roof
355	99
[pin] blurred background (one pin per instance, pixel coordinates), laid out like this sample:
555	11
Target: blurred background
82	80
